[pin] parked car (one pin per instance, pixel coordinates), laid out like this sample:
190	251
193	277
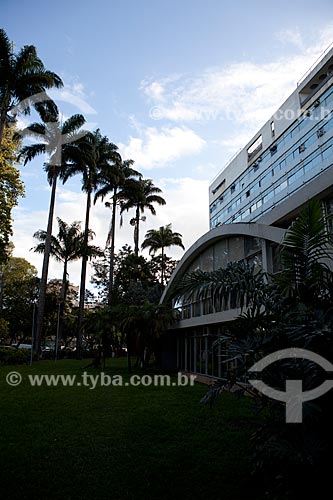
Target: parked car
22	346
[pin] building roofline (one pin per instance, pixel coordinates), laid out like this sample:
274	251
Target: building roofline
270	233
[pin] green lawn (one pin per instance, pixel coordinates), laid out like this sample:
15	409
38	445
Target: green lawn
120	442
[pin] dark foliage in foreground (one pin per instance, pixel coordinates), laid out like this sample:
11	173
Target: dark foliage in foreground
291	310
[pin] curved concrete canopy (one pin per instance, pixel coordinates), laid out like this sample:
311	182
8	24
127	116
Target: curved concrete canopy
269	233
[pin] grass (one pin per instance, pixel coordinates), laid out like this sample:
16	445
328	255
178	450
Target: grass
120	442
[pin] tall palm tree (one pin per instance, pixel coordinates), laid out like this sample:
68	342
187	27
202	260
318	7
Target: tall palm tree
59	144
160	239
141	194
95	155
67	246
22	76
114	181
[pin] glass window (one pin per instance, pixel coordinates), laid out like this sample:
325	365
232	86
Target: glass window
289	158
221	254
194	266
316	160
327	152
308	166
302	123
310	140
252	245
255	147
287	137
295	176
284	184
273	149
236	247
268	196
207	260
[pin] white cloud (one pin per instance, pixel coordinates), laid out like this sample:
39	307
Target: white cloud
74	94
292	36
159	147
187	208
155	91
246	93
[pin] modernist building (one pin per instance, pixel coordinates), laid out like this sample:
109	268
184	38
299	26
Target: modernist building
251	203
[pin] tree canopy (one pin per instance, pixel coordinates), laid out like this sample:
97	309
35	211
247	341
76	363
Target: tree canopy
11	188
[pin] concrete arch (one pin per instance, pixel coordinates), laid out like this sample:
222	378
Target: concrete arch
269	233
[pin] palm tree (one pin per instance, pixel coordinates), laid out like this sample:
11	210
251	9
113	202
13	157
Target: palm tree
22	76
59	143
95	154
140	194
159	239
67	246
143	325
114	181
305	255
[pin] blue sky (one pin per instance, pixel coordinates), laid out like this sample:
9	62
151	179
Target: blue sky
179	86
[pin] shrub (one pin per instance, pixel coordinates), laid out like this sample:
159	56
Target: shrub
12	356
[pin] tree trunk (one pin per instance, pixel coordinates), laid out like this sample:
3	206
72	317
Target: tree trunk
3	116
136	232
83	277
129	363
113	227
62	305
2	284
162	271
43	281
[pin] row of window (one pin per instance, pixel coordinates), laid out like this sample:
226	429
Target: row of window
308	140
299	171
303	143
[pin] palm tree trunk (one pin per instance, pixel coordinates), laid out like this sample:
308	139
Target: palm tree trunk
83	276
46	259
136	232
62	304
113	227
162	271
129	363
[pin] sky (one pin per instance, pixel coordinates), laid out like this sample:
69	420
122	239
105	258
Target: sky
178	85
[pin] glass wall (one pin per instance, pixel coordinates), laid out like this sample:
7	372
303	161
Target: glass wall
217	256
199	351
